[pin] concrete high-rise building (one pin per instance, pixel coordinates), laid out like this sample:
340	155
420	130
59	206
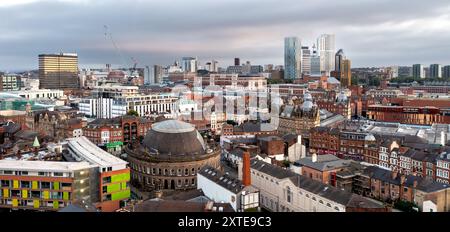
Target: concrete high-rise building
326	50
306	60
346	73
418	71
436	71
189	64
58	71
339	58
237	61
158	73
292	58
315	63
148	76
212	66
446	71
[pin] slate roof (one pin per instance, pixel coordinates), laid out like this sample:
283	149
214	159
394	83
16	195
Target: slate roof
423	184
224	180
271	170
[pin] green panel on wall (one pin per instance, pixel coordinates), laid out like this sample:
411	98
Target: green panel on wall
66	196
56	185
113	188
5	193
34	185
36	204
120	177
24	193
46	195
15	184
121	195
56	204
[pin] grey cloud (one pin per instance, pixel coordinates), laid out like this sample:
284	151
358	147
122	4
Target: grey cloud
158	32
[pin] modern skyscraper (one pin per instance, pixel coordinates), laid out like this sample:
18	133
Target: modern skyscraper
326	50
346	73
418	71
446	71
339	58
315	63
306	60
158	73
58	71
435	71
148	76
212	66
237	62
292	58
189	64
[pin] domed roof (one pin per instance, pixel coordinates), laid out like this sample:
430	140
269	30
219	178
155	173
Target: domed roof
307	106
307	97
174	137
341	97
370	137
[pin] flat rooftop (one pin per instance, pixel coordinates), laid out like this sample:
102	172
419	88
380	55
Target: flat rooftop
42	166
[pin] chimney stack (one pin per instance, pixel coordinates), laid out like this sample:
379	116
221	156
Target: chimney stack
246	178
314	158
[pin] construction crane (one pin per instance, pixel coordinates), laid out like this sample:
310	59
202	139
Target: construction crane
109	36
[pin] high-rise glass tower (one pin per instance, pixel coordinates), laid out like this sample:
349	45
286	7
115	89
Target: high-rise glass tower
292	58
58	71
418	71
326	49
435	71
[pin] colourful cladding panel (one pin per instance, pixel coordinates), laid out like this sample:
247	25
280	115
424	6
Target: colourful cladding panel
36	204
120	177
34	185
6	193
113	188
56	204
124	185
24	193
15	202
66	196
56	185
15	184
120	195
46	195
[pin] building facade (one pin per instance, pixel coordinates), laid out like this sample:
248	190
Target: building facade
58	71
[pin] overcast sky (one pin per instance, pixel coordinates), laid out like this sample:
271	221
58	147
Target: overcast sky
371	32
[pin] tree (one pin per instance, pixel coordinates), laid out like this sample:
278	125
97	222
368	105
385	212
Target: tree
133	113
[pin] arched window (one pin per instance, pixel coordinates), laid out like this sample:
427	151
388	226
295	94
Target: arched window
288	194
329	205
193	171
336	208
186	172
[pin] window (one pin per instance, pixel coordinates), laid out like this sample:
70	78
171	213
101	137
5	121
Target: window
58	174
288	194
5	183
45	185
336	208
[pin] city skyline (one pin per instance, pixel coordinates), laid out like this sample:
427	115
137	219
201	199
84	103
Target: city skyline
156	32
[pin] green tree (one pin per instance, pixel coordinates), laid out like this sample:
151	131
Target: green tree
133	113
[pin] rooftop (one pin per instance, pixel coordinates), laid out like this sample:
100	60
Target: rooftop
324	162
44	166
92	153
